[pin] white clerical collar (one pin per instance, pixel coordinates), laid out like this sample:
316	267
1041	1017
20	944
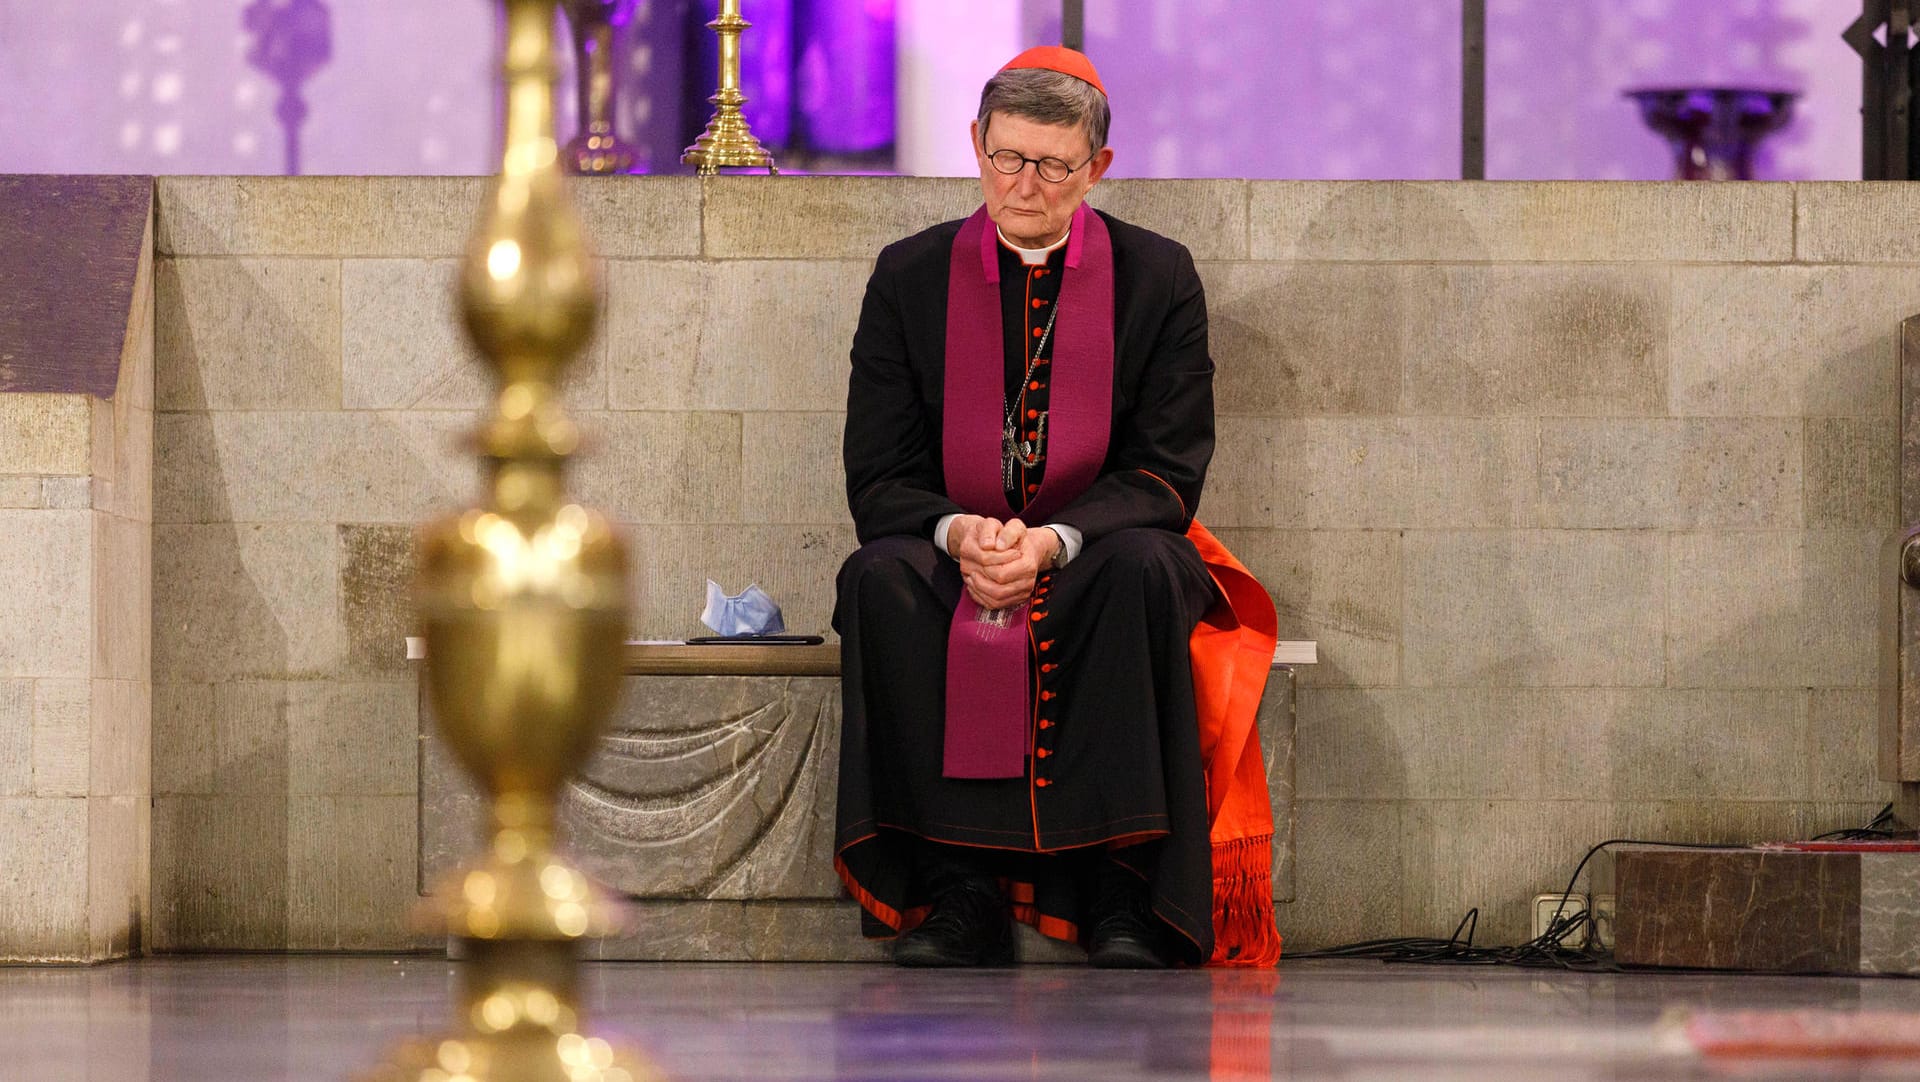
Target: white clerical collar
1033	257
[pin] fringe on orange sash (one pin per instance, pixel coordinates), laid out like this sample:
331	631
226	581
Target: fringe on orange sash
1244	931
1232	653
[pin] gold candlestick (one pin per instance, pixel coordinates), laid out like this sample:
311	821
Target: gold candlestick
523	603
727	142
597	150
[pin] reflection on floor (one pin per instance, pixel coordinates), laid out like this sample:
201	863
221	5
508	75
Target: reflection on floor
326	1017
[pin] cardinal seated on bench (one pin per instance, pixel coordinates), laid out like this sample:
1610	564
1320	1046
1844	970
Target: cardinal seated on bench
1050	670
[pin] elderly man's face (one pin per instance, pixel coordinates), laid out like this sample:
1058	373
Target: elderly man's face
1033	212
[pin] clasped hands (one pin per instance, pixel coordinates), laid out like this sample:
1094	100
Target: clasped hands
999	561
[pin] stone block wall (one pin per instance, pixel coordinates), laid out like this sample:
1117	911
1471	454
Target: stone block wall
1579	486
76	515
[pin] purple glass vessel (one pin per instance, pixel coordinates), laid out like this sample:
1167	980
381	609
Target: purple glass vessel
1714	130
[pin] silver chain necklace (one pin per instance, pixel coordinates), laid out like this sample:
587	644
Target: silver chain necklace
1012	449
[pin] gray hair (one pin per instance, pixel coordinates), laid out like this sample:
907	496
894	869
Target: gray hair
1047	97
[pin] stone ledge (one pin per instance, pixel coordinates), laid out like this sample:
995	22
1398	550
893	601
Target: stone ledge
1521	221
732	659
798	659
1855	222
824	217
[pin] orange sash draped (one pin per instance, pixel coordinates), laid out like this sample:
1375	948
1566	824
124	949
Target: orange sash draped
1232	653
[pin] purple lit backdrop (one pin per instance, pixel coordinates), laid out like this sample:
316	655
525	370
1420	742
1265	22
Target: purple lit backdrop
844	85
1367	89
1360	88
149	86
1567	118
1289	88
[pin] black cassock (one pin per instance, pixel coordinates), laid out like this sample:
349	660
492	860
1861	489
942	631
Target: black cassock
1114	764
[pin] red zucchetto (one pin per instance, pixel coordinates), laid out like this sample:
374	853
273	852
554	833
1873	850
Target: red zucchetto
1061	59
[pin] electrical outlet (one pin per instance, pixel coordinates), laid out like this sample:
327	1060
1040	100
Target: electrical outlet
1597	935
1547	906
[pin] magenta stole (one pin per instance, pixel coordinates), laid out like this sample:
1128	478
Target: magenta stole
988	712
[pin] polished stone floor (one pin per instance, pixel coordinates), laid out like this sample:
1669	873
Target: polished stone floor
327	1017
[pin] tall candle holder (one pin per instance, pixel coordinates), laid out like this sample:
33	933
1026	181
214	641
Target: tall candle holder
728	143
292	41
523	603
597	150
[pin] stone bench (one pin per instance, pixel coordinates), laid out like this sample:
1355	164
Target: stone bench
711	804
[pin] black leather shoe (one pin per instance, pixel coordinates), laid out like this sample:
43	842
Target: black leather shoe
969	926
1125	933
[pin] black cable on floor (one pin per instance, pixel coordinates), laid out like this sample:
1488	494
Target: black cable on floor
1548	949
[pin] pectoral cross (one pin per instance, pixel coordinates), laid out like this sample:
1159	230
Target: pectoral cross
1026	453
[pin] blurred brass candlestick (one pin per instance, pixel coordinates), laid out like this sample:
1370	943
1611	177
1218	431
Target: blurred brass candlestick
728	143
597	149
523	604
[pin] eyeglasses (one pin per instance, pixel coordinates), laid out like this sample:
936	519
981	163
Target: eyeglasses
1051	170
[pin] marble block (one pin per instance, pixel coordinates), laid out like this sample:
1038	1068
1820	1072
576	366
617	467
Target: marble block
1769	911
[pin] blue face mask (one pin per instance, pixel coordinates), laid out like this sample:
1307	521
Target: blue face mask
749	612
